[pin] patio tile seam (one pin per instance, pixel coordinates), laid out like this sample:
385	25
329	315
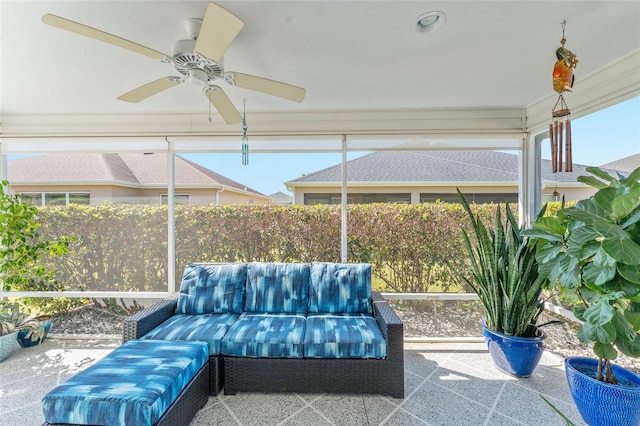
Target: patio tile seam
551	398
230	411
479	403
490	369
440	385
400	406
30	377
409	413
308	404
493	410
23	407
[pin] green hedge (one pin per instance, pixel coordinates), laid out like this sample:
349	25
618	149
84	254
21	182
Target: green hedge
413	248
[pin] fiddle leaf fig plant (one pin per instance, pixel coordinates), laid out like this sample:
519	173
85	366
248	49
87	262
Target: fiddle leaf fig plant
591	253
22	251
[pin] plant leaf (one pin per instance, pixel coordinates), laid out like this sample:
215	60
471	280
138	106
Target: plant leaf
591	181
548	224
623	205
630	273
548	252
599	275
600	313
605	350
597	333
623	250
597	171
629	347
582	235
633	318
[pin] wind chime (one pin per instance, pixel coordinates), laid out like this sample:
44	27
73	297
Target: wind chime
560	127
245	139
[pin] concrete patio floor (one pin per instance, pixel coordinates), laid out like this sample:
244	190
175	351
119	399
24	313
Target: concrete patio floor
445	384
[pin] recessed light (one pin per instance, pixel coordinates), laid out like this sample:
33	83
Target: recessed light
430	21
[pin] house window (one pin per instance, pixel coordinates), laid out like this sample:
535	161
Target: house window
55	199
32	198
180	199
39	199
402	198
479	198
79	198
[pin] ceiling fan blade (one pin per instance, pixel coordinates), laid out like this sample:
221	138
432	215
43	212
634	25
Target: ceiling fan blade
219	28
270	87
150	89
223	104
87	31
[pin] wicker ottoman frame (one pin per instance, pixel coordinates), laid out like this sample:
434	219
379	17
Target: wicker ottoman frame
312	375
192	398
336	375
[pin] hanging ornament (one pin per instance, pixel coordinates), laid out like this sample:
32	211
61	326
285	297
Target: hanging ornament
560	126
245	139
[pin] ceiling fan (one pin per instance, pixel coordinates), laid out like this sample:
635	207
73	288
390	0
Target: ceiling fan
198	59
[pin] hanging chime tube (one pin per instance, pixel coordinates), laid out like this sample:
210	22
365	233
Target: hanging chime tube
552	140
560	130
569	167
554	145
245	151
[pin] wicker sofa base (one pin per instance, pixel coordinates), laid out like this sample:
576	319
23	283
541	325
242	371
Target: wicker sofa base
192	398
313	375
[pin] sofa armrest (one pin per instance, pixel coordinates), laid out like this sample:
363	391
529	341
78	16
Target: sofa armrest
140	323
376	296
390	325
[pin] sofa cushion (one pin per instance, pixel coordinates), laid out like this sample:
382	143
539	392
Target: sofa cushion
277	288
133	385
209	328
343	336
212	288
340	288
265	336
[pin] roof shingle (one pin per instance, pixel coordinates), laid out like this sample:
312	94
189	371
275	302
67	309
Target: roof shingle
435	166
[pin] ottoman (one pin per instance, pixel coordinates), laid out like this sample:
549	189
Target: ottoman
143	382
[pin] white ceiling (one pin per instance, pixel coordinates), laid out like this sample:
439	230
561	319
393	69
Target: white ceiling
349	55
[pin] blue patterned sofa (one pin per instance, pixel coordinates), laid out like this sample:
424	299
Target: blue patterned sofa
283	327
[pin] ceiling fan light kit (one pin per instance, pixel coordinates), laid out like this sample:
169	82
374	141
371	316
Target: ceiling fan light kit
198	59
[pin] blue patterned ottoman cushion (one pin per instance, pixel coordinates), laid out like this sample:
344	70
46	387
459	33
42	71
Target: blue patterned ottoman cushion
212	288
277	288
265	336
343	336
209	328
133	385
340	288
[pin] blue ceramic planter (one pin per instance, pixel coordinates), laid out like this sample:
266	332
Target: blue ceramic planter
599	403
517	356
33	340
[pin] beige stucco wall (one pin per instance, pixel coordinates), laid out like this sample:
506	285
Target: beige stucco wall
570	193
129	195
228	197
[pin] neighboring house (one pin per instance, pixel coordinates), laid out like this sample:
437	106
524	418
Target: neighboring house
424	176
626	164
281	199
133	178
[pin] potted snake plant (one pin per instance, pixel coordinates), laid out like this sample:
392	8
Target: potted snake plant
591	253
504	275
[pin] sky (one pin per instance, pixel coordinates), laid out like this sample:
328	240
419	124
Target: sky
598	138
